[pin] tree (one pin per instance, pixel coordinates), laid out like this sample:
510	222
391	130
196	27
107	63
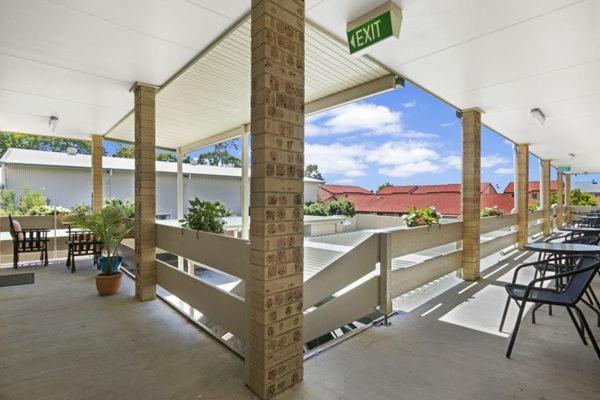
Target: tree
579	198
44	143
166	156
124	151
384	185
220	155
312	171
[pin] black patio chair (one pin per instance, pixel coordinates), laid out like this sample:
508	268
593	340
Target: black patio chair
28	241
578	282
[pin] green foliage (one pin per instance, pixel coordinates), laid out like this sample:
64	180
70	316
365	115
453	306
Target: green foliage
206	216
111	225
127	206
332	207
384	185
421	217
124	151
220	156
533	207
30	199
45	143
579	198
81	209
8	201
491	211
166	156
312	171
48	210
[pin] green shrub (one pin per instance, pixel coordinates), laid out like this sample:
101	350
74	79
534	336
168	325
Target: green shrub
30	199
333	207
424	216
491	211
8	202
127	206
81	209
206	216
579	198
48	210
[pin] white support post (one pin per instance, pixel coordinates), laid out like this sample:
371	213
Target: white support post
245	198
179	154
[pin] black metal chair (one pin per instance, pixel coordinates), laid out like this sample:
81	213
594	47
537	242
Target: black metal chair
578	282
28	241
82	243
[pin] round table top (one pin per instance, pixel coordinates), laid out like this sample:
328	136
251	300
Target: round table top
582	229
563	248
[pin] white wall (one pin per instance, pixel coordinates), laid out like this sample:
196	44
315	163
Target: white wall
69	186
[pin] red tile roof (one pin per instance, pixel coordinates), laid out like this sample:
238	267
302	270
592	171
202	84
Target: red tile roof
429	189
534	186
397	189
328	191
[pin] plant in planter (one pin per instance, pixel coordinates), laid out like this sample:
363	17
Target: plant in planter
206	216
491	212
422	217
110	225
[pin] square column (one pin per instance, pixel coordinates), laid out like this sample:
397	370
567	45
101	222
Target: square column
245	198
568	197
559	200
145	191
274	290
471	192
97	173
522	194
545	197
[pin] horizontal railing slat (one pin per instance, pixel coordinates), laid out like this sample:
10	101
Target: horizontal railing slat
222	308
227	254
490	224
406	279
497	244
351	306
413	240
346	269
534	229
535	215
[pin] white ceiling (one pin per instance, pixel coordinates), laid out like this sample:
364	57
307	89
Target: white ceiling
78	58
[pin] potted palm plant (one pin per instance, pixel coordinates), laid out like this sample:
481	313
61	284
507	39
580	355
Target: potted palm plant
110	225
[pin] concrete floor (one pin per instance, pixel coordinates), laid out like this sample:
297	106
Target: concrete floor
449	348
59	340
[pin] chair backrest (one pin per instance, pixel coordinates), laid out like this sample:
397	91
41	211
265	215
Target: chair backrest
15	228
579	282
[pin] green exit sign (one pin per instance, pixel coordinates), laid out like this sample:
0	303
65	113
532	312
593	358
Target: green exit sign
563	168
373	27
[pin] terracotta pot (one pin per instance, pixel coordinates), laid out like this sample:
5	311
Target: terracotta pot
108	285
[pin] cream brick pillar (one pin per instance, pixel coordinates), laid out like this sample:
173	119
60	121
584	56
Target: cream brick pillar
559	200
471	192
274	355
568	197
545	197
97	173
145	191
522	193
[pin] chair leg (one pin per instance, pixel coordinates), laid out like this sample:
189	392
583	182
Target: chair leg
595	298
504	314
586	326
580	330
513	336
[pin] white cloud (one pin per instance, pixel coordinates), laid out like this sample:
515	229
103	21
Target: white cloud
410	169
447	124
363	118
409	104
400	153
492	161
345	181
453	161
504	171
337	159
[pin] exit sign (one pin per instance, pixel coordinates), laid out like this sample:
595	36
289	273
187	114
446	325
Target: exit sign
374	27
563	168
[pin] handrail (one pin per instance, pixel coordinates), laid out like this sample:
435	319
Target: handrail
227	254
223	308
344	270
490	224
412	240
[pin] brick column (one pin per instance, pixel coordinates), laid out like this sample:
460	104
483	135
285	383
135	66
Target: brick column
471	192
545	197
274	355
522	193
145	191
97	173
568	197
559	200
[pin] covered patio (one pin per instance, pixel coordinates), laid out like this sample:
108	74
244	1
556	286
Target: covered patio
183	75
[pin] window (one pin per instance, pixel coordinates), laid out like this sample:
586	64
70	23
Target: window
534	195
